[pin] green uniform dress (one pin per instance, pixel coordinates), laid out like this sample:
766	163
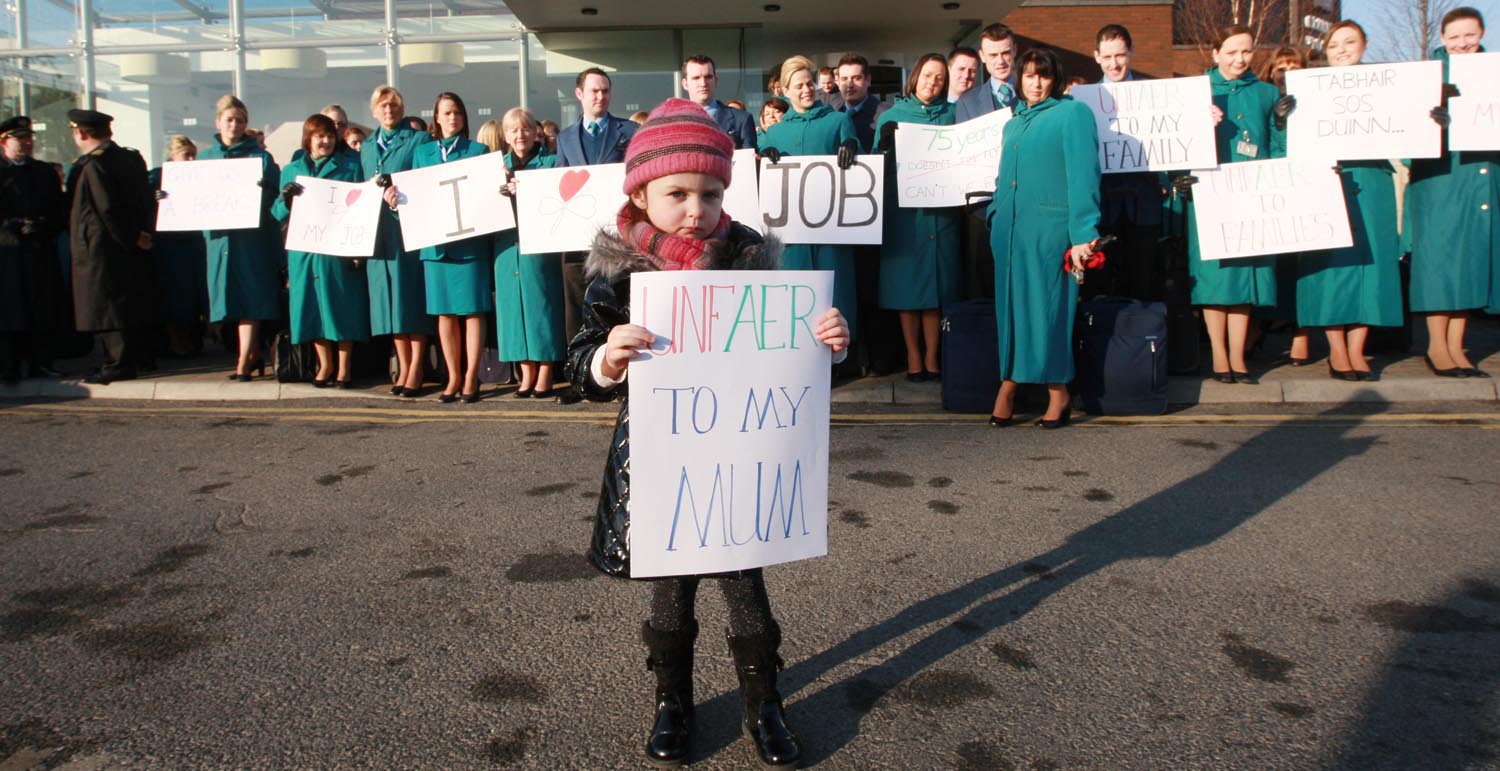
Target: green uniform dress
329	298
1046	200
528	290
1360	284
181	269
1246	103
919	256
398	300
244	266
457	273
819	131
1453	220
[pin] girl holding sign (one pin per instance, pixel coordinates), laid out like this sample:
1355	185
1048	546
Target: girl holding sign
813	128
528	287
919	258
457	273
330	303
398	302
1453	206
244	266
676	170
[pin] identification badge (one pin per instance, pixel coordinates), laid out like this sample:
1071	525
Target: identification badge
1247	148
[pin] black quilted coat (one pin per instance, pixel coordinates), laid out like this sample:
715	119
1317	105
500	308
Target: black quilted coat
606	304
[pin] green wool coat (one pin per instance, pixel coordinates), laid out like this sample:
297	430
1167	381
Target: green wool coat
398	300
1046	200
819	131
1453	221
919	259
457	274
329	299
244	266
1360	284
528	291
1246	103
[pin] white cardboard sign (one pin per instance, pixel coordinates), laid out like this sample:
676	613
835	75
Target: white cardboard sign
335	218
1367	111
1152	125
1476	110
560	210
221	194
728	421
1269	207
938	165
453	201
742	197
808	199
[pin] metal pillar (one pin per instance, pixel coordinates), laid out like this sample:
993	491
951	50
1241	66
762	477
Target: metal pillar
523	68
237	40
392	56
677	52
87	98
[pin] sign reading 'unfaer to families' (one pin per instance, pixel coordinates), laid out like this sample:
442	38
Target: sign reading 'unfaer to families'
1269	207
940	165
1364	112
728	421
1152	125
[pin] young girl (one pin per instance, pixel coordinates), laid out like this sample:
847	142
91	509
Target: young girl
676	169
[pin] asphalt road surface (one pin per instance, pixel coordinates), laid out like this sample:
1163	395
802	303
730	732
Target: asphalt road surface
320	586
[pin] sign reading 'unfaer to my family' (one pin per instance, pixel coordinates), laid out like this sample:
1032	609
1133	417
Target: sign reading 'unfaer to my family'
1364	112
1269	207
1152	125
940	165
210	195
335	218
453	201
728	421
808	199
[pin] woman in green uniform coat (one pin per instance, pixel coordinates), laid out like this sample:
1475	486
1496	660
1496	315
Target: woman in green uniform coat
1228	289
244	266
330	302
1346	291
919	255
459	291
528	287
398	302
810	128
1453	208
1046	207
181	268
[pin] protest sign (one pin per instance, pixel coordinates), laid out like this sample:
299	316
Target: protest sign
335	218
1476	110
210	195
938	165
728	421
1269	207
1152	125
560	210
1368	111
453	201
808	199
742	197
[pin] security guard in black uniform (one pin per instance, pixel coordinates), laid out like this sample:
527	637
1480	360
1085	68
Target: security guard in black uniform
114	281
32	213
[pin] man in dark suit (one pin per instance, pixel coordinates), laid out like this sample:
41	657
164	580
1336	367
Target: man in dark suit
32	213
828	89
700	80
963	72
862	107
997	50
114	284
596	138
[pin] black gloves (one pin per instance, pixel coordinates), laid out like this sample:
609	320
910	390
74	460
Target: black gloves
289	191
1282	108
505	190
1440	116
771	154
847	151
382	180
1450	90
887	141
161	195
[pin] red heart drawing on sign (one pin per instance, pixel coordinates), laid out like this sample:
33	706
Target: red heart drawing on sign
572	182
352	197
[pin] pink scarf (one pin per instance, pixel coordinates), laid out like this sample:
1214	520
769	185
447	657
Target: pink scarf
664	250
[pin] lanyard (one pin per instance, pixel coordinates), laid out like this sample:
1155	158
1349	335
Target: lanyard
448	148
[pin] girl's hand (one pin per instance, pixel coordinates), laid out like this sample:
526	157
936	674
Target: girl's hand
1217	113
390	197
623	344
833	330
1080	254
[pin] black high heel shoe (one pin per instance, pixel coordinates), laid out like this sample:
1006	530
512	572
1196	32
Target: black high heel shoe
1066	418
1346	375
522	393
344	384
446	398
397	390
1449	372
472	398
1475	372
1243	377
998	422
1224	377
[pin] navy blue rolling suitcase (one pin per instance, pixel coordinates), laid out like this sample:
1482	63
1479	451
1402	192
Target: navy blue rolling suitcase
971	356
1121	357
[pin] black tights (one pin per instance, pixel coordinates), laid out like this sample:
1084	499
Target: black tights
672	602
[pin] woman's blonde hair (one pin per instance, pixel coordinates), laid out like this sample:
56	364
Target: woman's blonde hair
490	136
177	143
383	94
230	102
794	65
519	116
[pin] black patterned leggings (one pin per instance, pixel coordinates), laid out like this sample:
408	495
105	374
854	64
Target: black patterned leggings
672	602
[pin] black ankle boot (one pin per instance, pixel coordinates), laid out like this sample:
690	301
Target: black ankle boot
670	656
756	663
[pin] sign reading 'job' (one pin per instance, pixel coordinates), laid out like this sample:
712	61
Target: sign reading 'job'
1152	125
728	421
808	199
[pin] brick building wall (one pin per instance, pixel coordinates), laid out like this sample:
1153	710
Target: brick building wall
1069	27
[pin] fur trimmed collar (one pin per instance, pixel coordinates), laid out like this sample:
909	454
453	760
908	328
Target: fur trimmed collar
744	249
